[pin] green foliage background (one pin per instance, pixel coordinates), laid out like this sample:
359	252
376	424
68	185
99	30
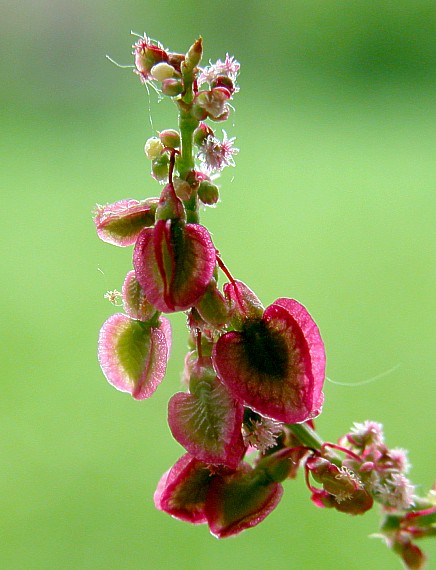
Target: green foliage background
332	203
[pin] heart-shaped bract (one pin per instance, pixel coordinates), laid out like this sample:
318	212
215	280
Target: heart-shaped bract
121	222
240	500
133	355
182	491
207	421
275	364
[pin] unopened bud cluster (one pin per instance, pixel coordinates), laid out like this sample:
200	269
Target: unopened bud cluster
253	375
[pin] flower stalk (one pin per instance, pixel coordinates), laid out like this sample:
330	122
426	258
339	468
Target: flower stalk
253	376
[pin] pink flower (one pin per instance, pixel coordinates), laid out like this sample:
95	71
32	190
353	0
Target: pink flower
147	55
216	155
275	364
227	68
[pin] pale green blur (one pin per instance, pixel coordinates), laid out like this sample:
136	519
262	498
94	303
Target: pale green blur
332	203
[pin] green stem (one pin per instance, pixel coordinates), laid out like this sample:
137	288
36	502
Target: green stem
187	126
306	435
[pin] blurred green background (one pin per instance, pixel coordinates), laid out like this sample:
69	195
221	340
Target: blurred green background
332	203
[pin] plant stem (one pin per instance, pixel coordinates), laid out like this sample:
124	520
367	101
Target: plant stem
306	435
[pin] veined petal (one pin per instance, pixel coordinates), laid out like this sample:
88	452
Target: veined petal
133	355
208	423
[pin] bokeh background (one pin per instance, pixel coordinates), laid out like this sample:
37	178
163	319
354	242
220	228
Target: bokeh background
332	203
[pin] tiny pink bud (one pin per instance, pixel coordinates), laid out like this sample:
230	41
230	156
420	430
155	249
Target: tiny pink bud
170	138
172	87
160	167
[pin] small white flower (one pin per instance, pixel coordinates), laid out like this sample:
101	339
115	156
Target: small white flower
113	296
262	434
396	491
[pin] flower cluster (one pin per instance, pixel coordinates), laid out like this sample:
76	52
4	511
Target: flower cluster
253	375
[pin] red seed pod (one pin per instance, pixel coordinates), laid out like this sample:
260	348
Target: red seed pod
174	263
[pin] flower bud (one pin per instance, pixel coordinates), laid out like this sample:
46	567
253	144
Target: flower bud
201	133
160	167
208	192
146	57
223	81
172	87
153	148
213	307
162	71
170	138
182	188
193	57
